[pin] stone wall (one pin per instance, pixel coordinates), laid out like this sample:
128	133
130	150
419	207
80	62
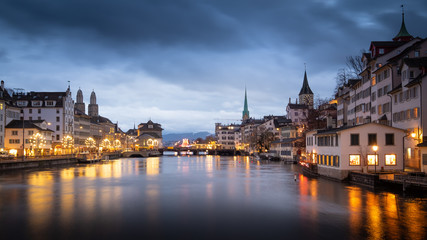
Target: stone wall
365	179
334	173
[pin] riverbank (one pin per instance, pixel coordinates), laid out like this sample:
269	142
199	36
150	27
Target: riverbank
16	164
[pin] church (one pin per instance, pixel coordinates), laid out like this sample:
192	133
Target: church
298	111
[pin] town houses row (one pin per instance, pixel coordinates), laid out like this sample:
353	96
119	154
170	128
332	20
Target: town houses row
51	123
374	123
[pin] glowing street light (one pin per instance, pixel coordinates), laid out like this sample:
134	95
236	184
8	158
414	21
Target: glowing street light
375	148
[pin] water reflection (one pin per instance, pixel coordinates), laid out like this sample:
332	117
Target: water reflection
167	196
371	215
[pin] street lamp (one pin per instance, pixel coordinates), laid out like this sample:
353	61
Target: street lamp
375	148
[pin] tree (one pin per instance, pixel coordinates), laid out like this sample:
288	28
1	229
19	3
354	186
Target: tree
354	66
261	139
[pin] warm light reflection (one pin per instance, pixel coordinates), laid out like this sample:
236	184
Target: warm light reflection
153	166
40	193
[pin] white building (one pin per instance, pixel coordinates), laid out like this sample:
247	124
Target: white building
226	135
339	151
56	108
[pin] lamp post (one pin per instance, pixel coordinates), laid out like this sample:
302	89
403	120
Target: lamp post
375	148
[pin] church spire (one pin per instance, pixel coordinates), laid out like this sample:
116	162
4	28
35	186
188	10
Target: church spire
403	35
245	113
305	87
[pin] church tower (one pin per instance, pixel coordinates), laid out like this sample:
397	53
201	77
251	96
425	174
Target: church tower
306	95
245	113
93	107
403	35
80	105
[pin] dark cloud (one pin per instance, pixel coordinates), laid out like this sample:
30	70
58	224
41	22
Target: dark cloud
170	56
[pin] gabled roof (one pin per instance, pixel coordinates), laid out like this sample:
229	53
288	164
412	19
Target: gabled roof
155	126
42	96
416	62
336	130
398	88
416	80
100	119
27	124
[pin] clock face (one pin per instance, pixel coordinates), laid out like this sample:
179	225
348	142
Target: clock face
307	99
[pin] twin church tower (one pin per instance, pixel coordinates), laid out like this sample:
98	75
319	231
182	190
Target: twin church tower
305	97
92	108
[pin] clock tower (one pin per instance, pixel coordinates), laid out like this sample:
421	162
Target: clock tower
306	95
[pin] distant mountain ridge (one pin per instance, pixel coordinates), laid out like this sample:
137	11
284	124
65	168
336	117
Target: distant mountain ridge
174	137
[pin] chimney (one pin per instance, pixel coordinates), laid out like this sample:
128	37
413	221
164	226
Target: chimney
2	85
289	100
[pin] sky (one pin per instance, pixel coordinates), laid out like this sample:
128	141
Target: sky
185	63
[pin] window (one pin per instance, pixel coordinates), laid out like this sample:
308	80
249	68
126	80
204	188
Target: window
417	53
57	128
39	110
354	160
389	139
372	139
14	141
14	133
416	115
30	132
30	110
372	159
57	111
354	139
57	119
380	109
57	137
49	103
390	159
381	51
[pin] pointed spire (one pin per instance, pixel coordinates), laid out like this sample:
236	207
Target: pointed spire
403	35
245	113
305	87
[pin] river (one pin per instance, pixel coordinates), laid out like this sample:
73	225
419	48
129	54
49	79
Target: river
198	197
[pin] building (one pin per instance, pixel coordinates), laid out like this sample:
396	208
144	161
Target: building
56	108
298	112
341	150
149	135
37	136
226	135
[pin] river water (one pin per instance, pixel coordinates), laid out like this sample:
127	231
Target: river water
198	198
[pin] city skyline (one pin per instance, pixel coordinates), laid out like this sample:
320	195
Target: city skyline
185	64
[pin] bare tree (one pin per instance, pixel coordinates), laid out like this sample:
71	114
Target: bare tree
261	139
355	64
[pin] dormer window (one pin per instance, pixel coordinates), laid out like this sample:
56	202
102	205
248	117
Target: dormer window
36	103
50	103
381	51
150	126
22	103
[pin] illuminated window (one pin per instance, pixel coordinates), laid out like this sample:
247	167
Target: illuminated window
371	160
354	160
390	159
